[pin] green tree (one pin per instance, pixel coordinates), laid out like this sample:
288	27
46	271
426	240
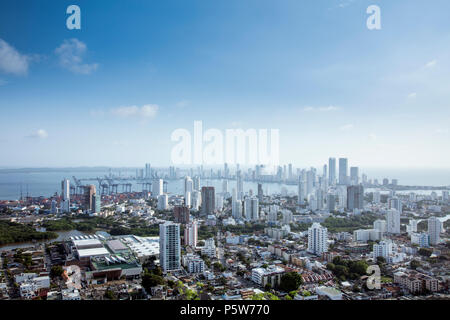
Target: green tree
56	271
290	281
150	280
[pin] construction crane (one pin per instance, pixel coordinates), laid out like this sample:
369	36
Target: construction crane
146	186
103	187
112	186
79	186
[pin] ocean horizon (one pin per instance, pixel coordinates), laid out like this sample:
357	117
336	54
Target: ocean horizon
47	181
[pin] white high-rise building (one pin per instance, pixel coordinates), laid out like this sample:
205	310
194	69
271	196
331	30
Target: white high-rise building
312	201
393	221
157	188
163	202
317	239
225	186
310	180
287	216
196	200
169	246
319	198
412	227
332	171
210	248
343	171
354	175
148	171
219	202
188	184
188	199
301	191
272	215
380	225
383	249
190	234
445	196
395	203
197	183
434	230
251	209
236	210
239	185
331	202
65	192
376	197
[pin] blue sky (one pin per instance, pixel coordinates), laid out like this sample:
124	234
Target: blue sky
112	93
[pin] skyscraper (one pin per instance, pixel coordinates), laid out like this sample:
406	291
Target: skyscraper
208	201
65	189
317	239
354	175
343	170
251	209
332	171
88	197
188	184
355	197
197	183
319	198
434	230
239	185
190	234
301	191
181	214
393	221
376	197
157	188
310	179
148	171
260	192
65	193
163	202
396	203
331	202
169	246
226	171
225	186
97	200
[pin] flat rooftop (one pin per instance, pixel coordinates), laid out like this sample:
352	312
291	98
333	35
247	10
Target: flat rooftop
87	242
116	245
92	252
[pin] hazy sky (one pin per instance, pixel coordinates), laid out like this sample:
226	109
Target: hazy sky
113	92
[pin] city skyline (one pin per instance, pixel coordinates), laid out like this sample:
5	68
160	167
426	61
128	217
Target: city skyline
313	71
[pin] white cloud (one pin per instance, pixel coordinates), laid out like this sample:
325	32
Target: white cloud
431	64
345	3
412	95
147	111
183	103
346	127
39	134
12	61
71	53
373	137
321	109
